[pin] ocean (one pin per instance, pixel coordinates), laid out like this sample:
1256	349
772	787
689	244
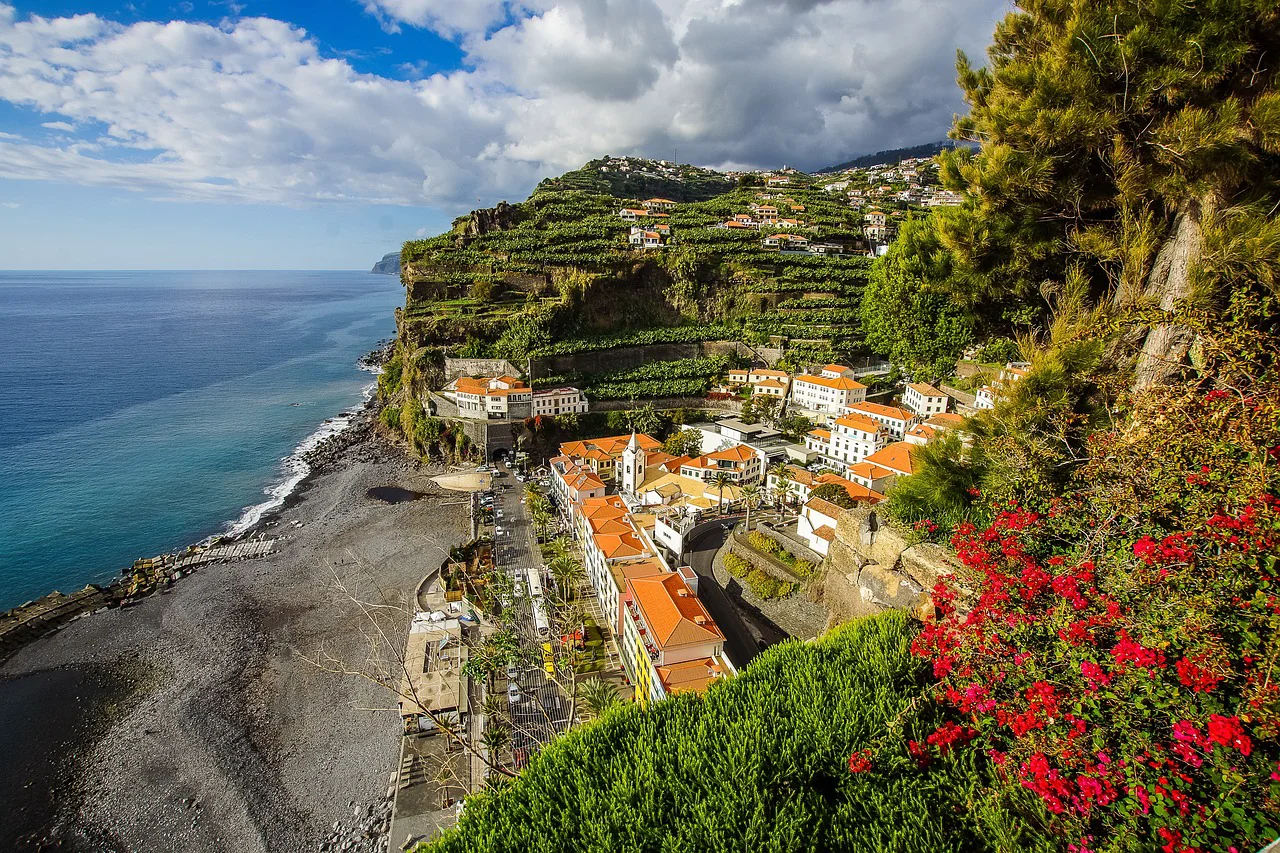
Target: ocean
143	411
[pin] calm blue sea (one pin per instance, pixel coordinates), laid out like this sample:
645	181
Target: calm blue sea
144	411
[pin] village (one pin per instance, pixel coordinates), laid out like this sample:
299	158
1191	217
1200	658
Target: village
591	578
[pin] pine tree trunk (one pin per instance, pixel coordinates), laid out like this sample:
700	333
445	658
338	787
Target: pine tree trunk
1167	344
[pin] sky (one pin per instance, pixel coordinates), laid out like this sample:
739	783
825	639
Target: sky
265	134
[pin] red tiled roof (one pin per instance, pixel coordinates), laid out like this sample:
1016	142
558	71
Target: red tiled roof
673	619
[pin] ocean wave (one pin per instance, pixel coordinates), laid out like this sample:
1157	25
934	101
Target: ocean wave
294	469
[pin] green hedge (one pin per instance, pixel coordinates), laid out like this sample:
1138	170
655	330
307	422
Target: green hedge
759	763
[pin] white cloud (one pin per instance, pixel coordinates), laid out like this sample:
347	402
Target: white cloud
10	205
252	111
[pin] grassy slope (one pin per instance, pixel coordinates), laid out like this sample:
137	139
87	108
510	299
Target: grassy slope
757	764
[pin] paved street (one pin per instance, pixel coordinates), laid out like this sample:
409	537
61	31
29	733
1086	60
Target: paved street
543	710
740	636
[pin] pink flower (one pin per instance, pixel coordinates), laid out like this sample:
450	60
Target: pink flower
1094	674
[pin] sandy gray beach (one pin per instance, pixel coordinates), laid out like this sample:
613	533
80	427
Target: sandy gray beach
192	722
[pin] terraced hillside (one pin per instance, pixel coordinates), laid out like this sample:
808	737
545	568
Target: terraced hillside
555	276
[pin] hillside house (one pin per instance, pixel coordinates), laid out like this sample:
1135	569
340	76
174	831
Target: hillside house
923	399
893	418
644	239
826	394
631	214
786	242
659	204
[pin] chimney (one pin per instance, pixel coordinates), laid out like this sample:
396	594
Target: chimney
700	620
684	593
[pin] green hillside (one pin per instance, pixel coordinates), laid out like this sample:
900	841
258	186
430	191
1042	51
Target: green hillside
554	275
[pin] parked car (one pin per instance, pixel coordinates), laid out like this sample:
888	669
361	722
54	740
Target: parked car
513	693
513	672
548	660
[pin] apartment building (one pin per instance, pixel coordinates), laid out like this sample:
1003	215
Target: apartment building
924	399
826	394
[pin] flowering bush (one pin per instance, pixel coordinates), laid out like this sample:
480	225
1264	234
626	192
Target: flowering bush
1116	656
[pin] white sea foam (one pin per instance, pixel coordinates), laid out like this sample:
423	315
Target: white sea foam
294	468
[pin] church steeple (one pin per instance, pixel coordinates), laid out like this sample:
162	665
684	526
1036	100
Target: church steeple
632	466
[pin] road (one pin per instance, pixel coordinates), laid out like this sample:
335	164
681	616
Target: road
542	712
744	638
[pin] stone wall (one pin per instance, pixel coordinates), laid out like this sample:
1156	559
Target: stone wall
727	406
455	367
620	358
872	567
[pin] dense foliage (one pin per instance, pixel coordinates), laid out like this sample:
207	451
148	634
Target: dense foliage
761	763
1116	656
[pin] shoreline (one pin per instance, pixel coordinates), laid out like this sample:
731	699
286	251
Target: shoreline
196	700
40	617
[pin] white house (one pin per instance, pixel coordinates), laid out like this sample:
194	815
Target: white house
490	397
897	421
644	239
854	437
924	399
826	394
786	241
559	401
871	475
817	524
631	214
659	204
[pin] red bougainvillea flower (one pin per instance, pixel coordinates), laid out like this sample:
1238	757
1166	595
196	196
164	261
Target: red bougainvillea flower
860	762
1227	731
1199	679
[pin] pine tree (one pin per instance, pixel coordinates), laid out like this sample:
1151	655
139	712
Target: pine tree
1133	145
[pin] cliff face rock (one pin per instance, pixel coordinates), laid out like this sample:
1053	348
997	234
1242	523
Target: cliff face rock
502	217
872	567
389	265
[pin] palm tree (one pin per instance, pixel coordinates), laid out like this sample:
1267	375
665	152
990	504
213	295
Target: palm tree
750	497
560	547
720	481
496	737
567	572
541	516
597	696
782	472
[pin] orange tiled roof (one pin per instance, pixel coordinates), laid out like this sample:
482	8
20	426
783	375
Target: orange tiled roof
615	546
857	491
673	619
862	423
925	389
896	457
946	420
884	411
823	434
612	445
826	532
801	476
869	470
824	507
692	676
737	453
837	368
842	384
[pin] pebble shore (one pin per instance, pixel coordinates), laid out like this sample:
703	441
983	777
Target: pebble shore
226	738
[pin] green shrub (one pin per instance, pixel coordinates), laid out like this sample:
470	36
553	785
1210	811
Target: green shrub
737	566
759	763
